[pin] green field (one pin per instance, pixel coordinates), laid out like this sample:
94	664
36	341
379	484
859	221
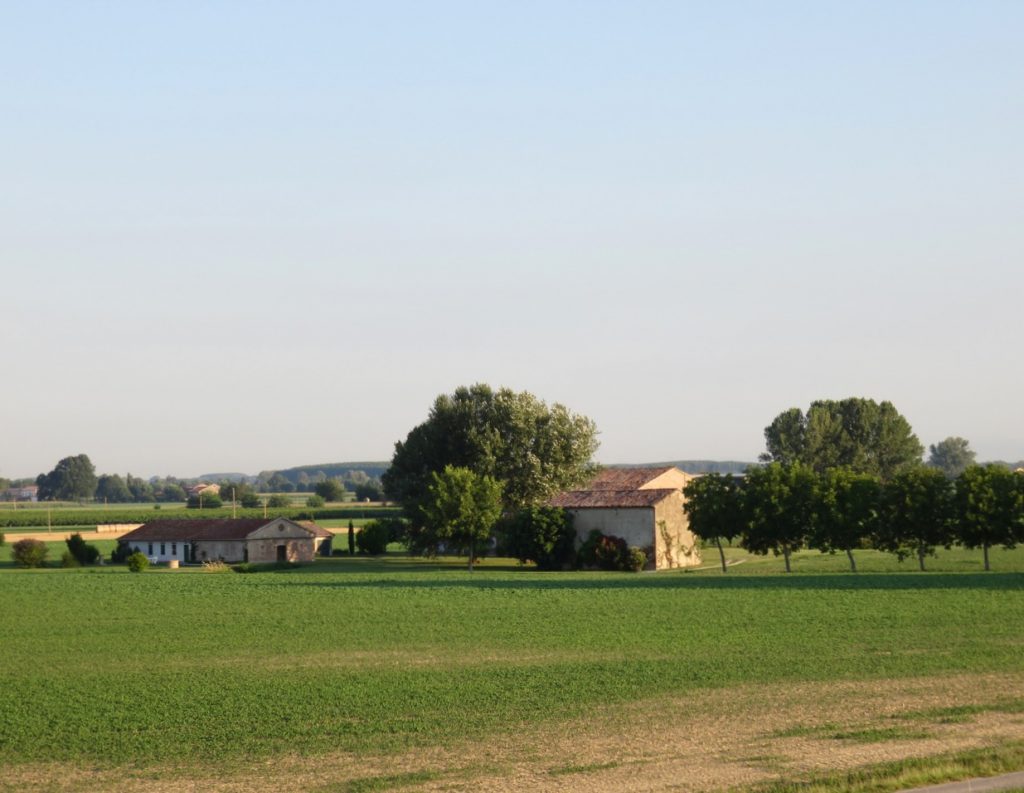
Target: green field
374	657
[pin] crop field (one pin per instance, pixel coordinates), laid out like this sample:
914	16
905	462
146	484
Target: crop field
396	673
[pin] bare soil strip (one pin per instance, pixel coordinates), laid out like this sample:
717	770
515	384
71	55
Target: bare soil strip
708	741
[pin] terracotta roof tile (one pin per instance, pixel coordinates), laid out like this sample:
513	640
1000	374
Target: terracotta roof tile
611	499
188	530
626	478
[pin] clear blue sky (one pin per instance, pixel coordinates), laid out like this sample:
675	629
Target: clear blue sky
237	236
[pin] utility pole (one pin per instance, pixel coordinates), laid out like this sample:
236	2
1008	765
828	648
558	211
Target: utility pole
234	512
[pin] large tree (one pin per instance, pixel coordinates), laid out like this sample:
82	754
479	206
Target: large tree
460	510
989	508
73	479
917	514
112	489
779	503
715	509
532	449
951	456
847	511
866	436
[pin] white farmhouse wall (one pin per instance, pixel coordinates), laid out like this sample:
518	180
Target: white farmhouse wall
635	524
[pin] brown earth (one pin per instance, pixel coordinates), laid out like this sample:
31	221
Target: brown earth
704	742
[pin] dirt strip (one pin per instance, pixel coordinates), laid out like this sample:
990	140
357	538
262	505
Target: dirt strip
708	741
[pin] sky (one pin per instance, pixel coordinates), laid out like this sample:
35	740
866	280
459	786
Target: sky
243	236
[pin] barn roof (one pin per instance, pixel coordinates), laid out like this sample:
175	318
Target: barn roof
626	478
611	499
198	529
317	529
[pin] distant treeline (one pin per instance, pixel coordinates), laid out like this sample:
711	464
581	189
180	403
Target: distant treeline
89	517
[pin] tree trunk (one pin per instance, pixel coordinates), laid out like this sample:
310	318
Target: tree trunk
984	548
920	556
721	552
853	563
785	554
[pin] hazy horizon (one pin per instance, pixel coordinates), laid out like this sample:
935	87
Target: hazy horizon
238	237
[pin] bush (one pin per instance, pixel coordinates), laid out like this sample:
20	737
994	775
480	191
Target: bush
29	553
81	550
208	501
68	559
372	539
610	553
278	501
216	566
544	535
315	501
3	539
138	562
121	553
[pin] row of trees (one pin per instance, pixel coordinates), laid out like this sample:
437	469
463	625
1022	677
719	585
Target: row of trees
782	507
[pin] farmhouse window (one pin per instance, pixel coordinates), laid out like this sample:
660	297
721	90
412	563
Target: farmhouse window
151	549
163	549
174	549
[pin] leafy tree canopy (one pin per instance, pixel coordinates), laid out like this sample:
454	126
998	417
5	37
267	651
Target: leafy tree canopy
532	449
460	510
73	479
860	434
951	456
715	509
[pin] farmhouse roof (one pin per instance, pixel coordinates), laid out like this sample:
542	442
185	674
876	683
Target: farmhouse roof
198	529
611	499
626	478
317	529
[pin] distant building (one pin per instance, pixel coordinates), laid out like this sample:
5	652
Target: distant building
230	540
27	493
643	506
204	489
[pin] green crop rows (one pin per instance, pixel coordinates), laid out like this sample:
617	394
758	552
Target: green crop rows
142	513
106	665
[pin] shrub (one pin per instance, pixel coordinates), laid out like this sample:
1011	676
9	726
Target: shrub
372	539
29	553
121	553
315	501
68	559
138	562
156	506
81	550
250	501
544	535
216	566
3	539
610	553
278	501
206	501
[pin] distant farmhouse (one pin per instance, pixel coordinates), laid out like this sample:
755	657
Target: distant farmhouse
230	540
643	506
203	489
27	493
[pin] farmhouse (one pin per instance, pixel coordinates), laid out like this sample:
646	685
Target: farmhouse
203	489
643	506
230	540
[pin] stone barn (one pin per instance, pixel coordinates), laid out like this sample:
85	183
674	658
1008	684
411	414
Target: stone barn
643	506
230	540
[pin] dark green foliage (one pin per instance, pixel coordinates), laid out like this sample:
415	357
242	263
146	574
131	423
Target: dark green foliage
67	559
860	434
459	512
951	456
610	553
315	501
988	507
121	553
138	562
532	449
917	514
264	567
3	539
351	539
544	535
73	479
369	491
29	553
205	501
277	501
714	506
846	511
83	553
779	503
251	501
111	489
330	490
372	539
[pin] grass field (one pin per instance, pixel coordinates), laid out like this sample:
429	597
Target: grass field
457	678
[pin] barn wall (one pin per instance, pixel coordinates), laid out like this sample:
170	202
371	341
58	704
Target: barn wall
227	550
298	550
634	525
675	545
